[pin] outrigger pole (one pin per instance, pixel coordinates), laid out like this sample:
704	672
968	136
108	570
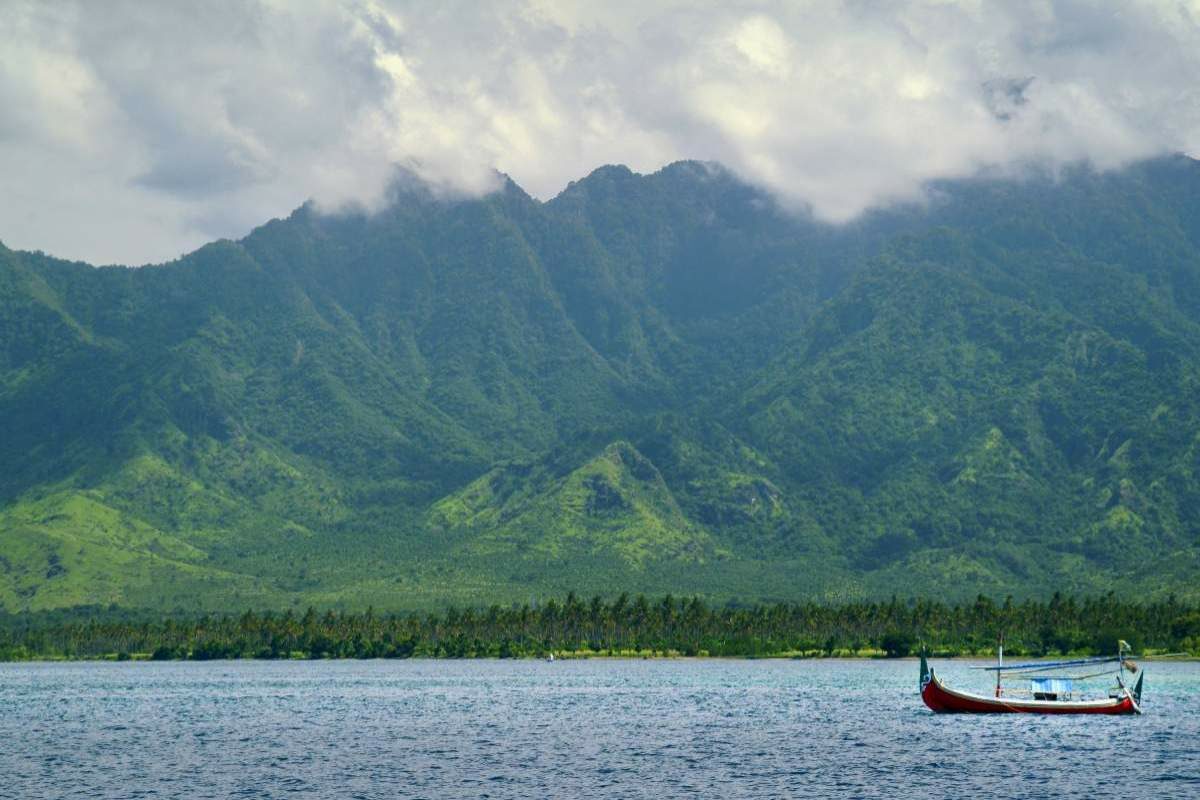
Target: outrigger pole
1037	666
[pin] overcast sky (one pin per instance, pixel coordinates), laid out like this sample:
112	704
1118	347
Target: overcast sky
133	132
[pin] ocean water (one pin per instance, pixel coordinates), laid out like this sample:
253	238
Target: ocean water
620	728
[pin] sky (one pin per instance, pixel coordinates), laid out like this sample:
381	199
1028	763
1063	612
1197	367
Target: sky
135	132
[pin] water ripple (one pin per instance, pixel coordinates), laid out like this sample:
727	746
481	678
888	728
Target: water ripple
727	729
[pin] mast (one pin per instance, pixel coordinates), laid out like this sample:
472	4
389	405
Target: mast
999	662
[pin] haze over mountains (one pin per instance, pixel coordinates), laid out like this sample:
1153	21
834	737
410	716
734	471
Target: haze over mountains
649	383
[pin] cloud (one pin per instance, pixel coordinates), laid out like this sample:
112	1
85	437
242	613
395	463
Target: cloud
132	132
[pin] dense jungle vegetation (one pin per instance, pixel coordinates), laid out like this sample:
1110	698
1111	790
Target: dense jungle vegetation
625	626
651	383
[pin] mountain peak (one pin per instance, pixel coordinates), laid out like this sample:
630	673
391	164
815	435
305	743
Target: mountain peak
677	172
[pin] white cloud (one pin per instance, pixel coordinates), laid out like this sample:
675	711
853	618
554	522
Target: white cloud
133	132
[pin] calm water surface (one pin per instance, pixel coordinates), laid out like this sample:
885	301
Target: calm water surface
724	729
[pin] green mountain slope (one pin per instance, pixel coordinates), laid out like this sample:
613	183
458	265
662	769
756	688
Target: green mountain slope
650	383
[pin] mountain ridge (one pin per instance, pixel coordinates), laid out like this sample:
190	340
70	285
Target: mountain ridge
991	392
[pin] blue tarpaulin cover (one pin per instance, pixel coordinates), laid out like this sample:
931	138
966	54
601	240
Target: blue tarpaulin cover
1051	685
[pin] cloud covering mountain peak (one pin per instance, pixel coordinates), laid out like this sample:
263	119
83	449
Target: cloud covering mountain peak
135	132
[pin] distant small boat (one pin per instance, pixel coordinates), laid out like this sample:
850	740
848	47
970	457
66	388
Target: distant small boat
1053	694
550	657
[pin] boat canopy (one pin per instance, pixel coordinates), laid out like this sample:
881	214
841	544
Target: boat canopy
1055	686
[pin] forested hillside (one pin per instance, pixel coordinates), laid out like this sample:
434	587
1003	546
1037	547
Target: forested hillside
658	383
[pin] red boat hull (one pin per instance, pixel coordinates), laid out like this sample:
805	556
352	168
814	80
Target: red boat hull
944	700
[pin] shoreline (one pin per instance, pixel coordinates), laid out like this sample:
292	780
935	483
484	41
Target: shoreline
639	628
119	658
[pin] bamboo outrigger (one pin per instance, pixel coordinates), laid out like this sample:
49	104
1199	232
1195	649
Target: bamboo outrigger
1046	695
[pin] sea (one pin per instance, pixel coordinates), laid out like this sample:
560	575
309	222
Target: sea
572	728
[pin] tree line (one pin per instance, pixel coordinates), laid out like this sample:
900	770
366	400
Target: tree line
621	626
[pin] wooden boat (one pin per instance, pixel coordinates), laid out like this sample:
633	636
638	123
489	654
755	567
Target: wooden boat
1047	695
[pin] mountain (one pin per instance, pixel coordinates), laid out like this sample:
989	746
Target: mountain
649	383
